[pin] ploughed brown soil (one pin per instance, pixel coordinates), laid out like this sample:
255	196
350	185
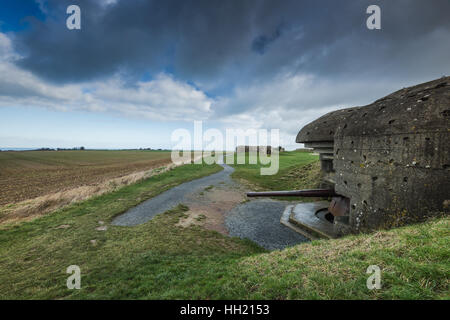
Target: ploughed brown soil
29	174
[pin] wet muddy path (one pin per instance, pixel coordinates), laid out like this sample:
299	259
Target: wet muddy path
218	203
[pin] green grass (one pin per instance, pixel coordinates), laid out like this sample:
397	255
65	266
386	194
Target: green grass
159	260
298	170
414	264
35	255
288	176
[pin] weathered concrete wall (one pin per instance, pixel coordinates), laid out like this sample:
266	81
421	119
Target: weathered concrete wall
391	158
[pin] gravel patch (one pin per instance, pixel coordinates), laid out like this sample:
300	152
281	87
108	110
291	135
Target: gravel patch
259	221
171	198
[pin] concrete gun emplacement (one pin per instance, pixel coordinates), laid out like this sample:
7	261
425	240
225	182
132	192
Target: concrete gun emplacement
339	205
296	193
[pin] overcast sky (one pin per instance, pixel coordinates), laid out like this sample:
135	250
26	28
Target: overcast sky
139	69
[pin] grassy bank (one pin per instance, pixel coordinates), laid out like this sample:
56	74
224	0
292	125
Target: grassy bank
35	255
297	170
159	260
414	263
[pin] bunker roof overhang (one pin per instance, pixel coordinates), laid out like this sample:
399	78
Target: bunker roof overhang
324	128
418	109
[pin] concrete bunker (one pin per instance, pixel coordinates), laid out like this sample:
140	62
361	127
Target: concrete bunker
388	162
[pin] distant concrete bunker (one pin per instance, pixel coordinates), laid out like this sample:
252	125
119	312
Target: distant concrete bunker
390	160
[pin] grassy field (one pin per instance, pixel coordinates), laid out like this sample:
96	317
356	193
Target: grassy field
29	174
159	260
298	170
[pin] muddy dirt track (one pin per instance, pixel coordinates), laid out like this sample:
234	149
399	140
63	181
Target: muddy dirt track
218	203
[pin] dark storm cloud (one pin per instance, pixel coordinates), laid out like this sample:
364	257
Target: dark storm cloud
261	43
228	43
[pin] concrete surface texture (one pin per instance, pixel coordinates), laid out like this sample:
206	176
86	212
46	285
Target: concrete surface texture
390	158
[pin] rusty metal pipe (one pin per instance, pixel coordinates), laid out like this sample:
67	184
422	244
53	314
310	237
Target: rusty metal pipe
296	193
